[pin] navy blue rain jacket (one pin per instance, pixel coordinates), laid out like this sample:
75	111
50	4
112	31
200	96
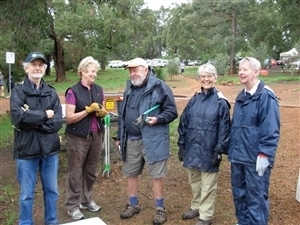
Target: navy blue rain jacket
156	139
203	129
255	127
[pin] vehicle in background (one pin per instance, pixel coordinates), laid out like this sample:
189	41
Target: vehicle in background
192	62
116	64
125	63
160	62
149	62
296	64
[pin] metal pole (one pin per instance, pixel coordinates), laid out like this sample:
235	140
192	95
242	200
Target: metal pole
9	79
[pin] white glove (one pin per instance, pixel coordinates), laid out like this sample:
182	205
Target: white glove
262	164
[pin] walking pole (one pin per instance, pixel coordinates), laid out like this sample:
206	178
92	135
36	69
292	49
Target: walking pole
106	145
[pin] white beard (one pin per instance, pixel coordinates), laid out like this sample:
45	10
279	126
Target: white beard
36	75
139	81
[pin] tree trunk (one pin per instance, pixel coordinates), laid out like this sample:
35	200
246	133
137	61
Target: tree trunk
58	57
102	62
48	70
232	47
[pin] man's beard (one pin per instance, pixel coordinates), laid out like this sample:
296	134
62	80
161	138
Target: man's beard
138	81
36	75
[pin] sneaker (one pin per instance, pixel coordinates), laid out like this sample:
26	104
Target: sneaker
93	207
76	214
204	222
130	210
190	214
160	216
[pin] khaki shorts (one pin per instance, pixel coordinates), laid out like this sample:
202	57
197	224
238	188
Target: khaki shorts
136	159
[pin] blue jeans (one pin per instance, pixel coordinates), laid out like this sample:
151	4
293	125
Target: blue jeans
27	170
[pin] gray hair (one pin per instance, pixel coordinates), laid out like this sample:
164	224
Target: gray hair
83	65
26	64
208	68
253	62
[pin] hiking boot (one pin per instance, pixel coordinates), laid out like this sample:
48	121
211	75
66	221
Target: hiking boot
130	210
92	206
190	214
160	216
204	222
76	214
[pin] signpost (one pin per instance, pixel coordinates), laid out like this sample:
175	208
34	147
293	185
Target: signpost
10	59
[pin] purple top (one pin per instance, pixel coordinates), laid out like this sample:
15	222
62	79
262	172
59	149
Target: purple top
71	99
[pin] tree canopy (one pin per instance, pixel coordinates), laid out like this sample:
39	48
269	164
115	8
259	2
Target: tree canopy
67	31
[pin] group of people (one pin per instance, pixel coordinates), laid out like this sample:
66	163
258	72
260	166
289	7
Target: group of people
10	84
205	133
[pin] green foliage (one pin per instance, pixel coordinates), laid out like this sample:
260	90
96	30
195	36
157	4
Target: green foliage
173	67
222	63
6	131
159	73
260	53
174	136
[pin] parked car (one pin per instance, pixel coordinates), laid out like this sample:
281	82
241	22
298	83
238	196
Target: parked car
149	62
296	64
116	64
160	62
125	64
192	62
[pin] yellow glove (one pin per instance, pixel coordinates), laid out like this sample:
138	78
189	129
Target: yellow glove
101	112
92	108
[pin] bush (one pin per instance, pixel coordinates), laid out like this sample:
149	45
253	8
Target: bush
173	68
221	63
159	73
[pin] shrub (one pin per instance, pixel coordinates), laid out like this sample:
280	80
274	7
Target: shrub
173	68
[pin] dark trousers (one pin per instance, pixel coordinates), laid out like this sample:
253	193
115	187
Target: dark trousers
250	194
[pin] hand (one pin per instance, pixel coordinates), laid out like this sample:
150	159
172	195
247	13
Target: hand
180	154
50	113
101	112
151	120
25	107
262	164
92	108
216	159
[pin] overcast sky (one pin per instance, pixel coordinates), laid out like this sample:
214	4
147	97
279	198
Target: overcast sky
155	4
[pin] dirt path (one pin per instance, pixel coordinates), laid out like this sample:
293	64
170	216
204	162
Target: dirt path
111	192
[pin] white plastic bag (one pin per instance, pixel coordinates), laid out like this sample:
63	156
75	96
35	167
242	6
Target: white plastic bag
298	189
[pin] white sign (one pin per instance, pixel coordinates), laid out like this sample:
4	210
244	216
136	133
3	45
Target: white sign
10	57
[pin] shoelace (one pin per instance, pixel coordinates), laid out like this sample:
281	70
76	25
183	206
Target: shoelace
160	213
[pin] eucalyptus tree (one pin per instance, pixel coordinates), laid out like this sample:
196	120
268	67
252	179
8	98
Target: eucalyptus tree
290	12
219	22
32	26
264	25
183	39
25	26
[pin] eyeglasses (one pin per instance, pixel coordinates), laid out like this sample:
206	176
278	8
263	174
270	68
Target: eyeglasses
206	76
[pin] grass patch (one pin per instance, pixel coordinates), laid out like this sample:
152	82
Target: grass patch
7	195
6	131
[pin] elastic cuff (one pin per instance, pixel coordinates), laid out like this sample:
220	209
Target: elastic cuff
45	116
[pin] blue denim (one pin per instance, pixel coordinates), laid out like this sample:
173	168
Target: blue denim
27	170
